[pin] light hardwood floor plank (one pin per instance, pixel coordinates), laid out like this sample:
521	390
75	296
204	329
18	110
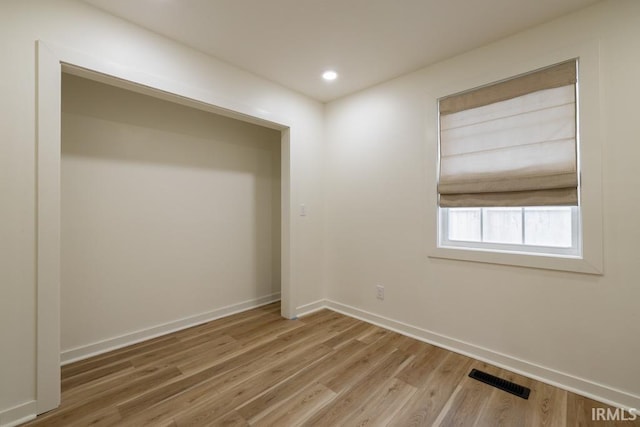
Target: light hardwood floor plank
425	406
383	405
255	368
298	409
422	366
235	395
115	356
549	407
361	365
95	374
357	395
254	408
66	415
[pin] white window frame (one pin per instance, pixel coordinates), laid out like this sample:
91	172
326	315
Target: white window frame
590	257
574	251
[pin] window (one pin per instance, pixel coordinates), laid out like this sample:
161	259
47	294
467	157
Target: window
540	229
508	165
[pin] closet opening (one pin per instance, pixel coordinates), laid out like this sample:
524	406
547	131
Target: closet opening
170	216
143	170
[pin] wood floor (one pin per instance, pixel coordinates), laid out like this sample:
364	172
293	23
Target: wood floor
326	369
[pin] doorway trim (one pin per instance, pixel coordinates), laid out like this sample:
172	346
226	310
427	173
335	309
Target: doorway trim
52	60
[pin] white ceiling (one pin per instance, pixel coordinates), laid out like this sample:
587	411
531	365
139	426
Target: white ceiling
366	41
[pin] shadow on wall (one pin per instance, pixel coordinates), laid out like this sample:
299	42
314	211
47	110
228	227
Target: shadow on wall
206	140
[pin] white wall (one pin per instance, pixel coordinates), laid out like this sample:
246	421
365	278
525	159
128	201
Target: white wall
381	179
167	212
77	26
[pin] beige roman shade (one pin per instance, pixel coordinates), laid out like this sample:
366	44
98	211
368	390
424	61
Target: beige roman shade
512	143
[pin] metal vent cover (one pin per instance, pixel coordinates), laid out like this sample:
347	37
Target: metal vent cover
504	385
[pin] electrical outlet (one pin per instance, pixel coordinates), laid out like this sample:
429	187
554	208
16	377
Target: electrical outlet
380	292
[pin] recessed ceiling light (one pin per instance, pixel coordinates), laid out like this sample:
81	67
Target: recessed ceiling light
329	75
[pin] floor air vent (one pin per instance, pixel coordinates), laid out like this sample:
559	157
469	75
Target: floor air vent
505	385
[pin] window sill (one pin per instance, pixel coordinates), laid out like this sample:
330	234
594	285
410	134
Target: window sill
519	259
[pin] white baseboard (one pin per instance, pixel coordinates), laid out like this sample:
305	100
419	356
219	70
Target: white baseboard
581	386
83	352
303	310
18	414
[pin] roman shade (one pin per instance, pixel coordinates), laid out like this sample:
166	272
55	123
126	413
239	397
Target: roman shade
512	143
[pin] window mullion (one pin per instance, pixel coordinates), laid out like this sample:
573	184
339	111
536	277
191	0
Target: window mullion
522	223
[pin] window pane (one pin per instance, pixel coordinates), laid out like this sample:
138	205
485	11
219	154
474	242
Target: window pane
502	225
464	224
548	226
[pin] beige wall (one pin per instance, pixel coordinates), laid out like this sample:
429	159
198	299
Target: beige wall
381	181
166	211
78	27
